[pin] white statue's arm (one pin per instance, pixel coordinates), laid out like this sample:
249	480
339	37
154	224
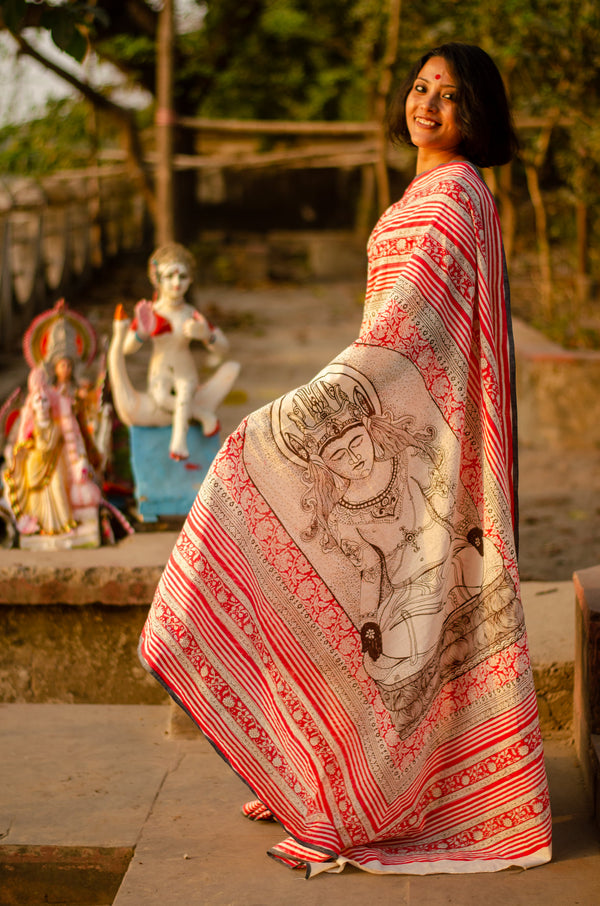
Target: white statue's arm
217	342
198	328
146	325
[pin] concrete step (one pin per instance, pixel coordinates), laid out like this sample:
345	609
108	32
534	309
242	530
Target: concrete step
197	849
93	794
58	658
79	781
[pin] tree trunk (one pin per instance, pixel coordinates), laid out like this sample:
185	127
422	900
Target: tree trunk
164	123
383	90
541	225
532	169
508	216
582	276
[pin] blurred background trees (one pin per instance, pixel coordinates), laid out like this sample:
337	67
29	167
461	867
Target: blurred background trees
305	60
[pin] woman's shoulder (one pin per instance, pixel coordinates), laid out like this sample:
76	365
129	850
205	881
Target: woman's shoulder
459	181
456	187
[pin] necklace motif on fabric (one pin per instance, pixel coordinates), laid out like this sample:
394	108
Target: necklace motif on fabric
384	503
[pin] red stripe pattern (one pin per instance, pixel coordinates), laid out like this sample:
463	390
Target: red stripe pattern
425	756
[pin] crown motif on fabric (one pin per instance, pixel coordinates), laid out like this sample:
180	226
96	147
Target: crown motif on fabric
322	411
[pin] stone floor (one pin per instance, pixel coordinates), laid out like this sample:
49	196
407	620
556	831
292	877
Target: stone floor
96	793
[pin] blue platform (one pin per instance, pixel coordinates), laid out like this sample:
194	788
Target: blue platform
163	486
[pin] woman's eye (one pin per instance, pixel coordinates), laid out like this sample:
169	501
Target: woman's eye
420	88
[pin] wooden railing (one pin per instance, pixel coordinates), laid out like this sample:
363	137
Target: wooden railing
54	232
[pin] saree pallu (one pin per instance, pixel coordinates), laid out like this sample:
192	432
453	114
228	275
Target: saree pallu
341	613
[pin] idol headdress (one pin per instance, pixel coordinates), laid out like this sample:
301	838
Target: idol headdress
59	333
305	421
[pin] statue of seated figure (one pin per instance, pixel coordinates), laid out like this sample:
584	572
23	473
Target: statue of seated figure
174	394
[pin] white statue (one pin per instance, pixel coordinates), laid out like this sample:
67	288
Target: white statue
174	395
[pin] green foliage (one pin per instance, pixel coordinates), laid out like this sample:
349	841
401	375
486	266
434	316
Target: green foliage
61	139
68	23
315	60
286	59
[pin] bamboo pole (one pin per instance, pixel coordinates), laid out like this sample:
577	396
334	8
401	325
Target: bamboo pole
283	127
164	122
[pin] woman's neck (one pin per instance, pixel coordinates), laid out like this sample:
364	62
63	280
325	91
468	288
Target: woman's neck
427	162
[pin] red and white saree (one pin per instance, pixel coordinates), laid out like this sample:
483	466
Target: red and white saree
341	614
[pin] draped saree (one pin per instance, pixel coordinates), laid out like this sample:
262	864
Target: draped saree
341	613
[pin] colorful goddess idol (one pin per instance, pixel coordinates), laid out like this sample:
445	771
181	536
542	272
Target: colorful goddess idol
341	614
60	446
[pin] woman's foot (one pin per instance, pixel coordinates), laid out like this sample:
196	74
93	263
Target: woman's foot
256	811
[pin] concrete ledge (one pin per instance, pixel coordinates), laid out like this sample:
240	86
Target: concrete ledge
586	702
124	574
548	608
70	624
71	621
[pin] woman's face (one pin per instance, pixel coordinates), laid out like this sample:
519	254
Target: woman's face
432	116
351	456
174	281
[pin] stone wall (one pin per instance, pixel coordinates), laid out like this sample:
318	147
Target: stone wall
75	655
557	389
54	231
70	622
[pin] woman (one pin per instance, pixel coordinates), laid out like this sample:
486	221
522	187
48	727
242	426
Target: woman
341	614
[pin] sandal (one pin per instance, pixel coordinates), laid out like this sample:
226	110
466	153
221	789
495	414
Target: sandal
256	811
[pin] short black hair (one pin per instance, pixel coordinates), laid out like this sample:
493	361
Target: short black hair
488	134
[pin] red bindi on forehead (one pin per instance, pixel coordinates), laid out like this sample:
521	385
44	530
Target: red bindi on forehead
438	76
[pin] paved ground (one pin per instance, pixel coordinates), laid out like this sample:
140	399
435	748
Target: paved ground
85	785
129	805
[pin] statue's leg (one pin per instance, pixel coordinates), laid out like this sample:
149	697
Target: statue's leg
212	393
181	418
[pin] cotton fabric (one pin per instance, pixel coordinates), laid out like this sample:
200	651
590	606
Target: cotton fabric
341	614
